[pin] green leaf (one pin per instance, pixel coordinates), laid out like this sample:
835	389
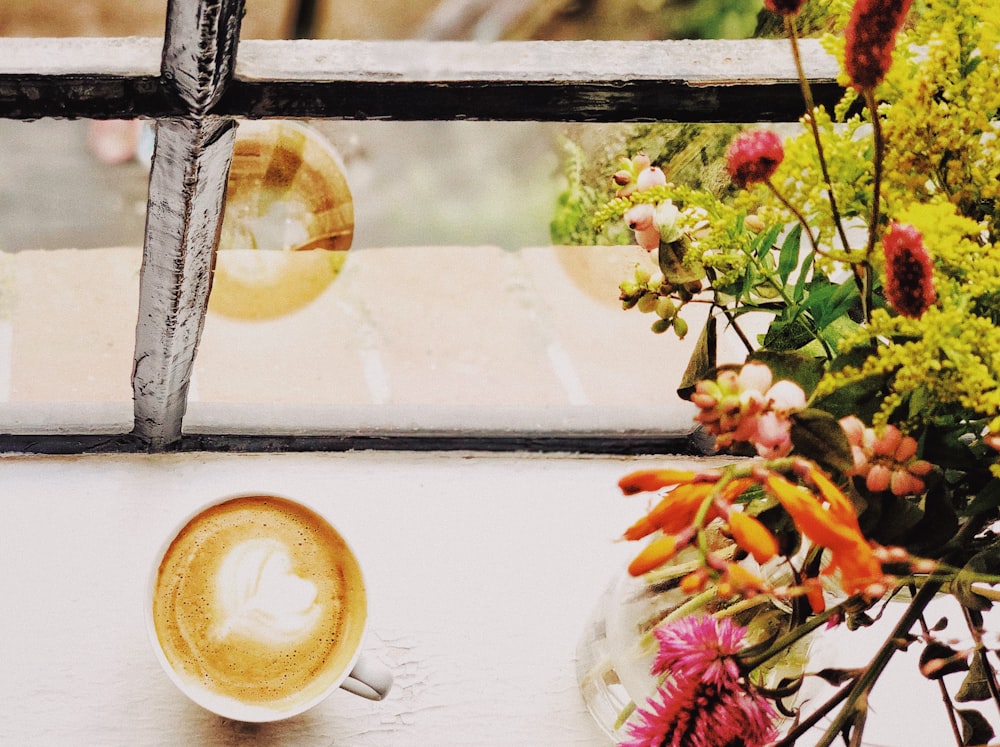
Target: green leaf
788	258
983	563
896	518
817	435
975	728
804	370
703	359
836	304
800	285
938	660
975	685
787	334
765	241
985	500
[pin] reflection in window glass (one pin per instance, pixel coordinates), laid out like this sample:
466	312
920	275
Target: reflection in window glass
452	309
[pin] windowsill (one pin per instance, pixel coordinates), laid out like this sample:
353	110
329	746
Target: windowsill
482	572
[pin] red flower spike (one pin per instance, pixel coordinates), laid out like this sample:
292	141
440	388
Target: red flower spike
909	284
754	156
871	37
784	7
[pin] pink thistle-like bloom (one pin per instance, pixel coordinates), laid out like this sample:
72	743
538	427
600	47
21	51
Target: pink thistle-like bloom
784	7
909	282
754	156
704	702
696	647
871	37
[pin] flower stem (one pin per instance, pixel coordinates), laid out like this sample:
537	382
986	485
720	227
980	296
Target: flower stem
798	216
949	707
863	685
807	96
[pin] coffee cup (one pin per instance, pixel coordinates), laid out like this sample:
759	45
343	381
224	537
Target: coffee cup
257	611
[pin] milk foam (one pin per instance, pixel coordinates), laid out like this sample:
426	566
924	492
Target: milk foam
261	597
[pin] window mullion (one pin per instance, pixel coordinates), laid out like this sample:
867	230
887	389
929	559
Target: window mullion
187	189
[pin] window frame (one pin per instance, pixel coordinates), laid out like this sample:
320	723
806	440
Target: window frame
200	79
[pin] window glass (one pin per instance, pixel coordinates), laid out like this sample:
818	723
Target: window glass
451	309
70	249
264	19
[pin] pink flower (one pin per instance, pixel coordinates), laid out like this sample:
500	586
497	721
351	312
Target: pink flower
871	37
747	407
699	648
754	156
909	283
887	461
704	702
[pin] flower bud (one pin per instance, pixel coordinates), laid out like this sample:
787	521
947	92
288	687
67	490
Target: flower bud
784	7
879	478
647	303
755	376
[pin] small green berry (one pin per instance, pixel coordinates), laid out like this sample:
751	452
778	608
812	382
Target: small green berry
665	308
660	326
680	327
647	303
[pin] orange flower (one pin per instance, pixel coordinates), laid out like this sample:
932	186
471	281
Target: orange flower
814	593
834	526
753	536
648	480
738	580
653	555
674	513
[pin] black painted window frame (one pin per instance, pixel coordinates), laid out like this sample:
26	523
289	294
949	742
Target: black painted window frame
200	79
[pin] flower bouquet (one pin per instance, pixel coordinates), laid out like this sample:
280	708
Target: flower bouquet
859	265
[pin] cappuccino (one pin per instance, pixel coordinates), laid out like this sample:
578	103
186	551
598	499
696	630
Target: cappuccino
258	607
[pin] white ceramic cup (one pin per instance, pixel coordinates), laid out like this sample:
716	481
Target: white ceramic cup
259	574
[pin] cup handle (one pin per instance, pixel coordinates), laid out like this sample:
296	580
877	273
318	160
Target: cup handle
369	679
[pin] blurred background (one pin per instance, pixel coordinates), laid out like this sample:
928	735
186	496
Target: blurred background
413	183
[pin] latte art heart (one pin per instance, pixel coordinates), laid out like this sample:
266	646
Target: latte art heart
261	597
258	607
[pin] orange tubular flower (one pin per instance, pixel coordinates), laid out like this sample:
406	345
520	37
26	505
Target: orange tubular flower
738	580
655	554
648	480
753	536
834	526
674	513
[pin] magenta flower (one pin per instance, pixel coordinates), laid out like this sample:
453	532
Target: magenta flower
909	283
704	702
754	156
871	37
699	648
